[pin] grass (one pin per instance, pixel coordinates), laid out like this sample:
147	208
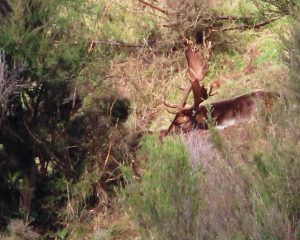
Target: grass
117	20
149	78
237	186
238	8
170	193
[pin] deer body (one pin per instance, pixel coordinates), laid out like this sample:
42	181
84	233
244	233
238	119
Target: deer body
225	113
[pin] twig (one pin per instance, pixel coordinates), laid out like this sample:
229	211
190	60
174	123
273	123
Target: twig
210	18
257	25
112	106
154	7
226	17
31	134
114	178
116	43
229	18
106	9
111	143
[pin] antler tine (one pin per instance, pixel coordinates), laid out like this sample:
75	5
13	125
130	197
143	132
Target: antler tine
173	112
182	110
182	103
196	69
171	105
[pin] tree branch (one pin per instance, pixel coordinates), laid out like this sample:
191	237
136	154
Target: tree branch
31	134
257	25
116	43
154	7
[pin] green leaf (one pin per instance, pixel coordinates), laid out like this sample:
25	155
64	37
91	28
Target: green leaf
63	233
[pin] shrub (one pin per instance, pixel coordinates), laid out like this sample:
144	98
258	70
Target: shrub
165	203
17	230
47	138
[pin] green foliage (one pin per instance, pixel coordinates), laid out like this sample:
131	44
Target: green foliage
278	6
47	138
165	203
278	169
270	52
62	234
61	142
292	47
46	50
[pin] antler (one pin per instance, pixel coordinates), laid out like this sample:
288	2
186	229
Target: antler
196	71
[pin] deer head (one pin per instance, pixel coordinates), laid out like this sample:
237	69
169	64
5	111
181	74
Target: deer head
197	68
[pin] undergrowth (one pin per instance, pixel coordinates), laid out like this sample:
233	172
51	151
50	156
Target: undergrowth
241	186
248	185
165	204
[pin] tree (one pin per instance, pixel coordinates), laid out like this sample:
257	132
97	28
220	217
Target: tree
44	47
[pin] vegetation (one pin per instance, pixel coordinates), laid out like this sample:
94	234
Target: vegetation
82	82
48	136
169	190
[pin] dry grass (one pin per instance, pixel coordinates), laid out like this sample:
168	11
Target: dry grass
96	224
148	78
236	204
250	62
17	230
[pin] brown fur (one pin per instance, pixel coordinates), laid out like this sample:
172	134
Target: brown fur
225	113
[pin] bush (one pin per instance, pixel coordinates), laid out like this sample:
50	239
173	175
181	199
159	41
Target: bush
17	230
47	138
165	203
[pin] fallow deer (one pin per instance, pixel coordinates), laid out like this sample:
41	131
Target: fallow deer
225	113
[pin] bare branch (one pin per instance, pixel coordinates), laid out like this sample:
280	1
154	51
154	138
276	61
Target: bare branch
154	7
227	17
6	85
9	82
31	134
257	25
116	43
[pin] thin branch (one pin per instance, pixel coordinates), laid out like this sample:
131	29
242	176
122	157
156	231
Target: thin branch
111	143
212	18
154	7
31	134
227	17
257	25
230	18
116	43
